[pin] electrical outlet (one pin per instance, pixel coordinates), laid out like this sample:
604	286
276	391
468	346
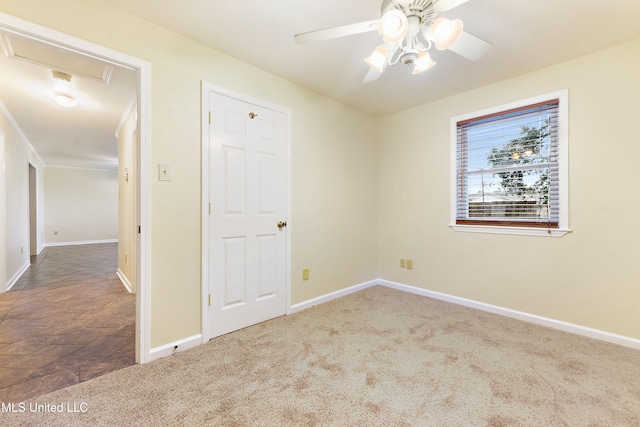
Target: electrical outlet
409	264
305	274
403	263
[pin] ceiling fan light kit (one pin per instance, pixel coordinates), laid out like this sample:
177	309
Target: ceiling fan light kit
413	28
409	29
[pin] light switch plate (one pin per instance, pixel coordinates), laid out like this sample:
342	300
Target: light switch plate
164	172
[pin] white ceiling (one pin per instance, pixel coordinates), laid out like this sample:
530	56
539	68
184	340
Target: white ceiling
526	35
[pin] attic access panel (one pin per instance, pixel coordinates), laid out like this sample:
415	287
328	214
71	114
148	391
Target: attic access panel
58	59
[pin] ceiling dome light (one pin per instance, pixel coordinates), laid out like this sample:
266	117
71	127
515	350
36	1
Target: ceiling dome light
378	58
393	26
446	32
64	100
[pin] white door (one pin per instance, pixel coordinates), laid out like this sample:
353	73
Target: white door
248	186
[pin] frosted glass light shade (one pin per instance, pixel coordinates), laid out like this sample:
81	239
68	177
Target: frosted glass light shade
393	26
378	58
446	32
423	63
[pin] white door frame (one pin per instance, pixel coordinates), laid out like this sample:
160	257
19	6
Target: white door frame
206	89
143	69
33	209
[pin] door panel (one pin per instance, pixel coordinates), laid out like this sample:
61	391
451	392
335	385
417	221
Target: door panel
267	258
233	275
267	184
234	181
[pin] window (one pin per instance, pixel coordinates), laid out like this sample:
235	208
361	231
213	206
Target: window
510	168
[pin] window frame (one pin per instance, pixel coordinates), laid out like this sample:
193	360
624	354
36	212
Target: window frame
563	174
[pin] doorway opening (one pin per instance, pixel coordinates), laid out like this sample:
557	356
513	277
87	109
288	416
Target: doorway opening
140	212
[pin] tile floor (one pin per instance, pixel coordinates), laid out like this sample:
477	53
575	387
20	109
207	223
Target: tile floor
67	320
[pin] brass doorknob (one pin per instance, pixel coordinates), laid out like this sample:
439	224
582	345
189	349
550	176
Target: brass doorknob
281	224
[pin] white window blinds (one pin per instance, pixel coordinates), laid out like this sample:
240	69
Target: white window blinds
507	167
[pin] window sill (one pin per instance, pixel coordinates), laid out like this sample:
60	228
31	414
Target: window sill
520	231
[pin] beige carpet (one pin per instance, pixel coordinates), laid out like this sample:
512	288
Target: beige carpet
379	357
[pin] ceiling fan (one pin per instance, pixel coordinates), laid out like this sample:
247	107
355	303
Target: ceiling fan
409	29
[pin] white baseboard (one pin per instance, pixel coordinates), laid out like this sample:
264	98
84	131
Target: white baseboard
81	242
331	296
17	276
124	281
531	318
175	347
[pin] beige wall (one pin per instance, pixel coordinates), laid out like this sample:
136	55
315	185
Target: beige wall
17	202
17	157
81	205
333	159
590	277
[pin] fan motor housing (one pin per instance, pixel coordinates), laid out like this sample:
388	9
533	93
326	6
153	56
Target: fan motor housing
420	8
408	58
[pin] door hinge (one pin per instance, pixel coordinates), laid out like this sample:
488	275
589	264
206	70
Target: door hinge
209	300
138	229
209	208
209	117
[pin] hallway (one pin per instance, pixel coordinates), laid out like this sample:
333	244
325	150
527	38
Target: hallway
67	320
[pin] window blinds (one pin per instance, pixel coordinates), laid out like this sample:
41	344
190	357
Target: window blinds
507	168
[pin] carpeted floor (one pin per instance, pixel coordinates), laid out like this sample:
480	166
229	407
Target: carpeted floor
379	357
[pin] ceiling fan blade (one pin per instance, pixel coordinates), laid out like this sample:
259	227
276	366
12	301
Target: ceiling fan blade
336	32
444	5
372	75
470	46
